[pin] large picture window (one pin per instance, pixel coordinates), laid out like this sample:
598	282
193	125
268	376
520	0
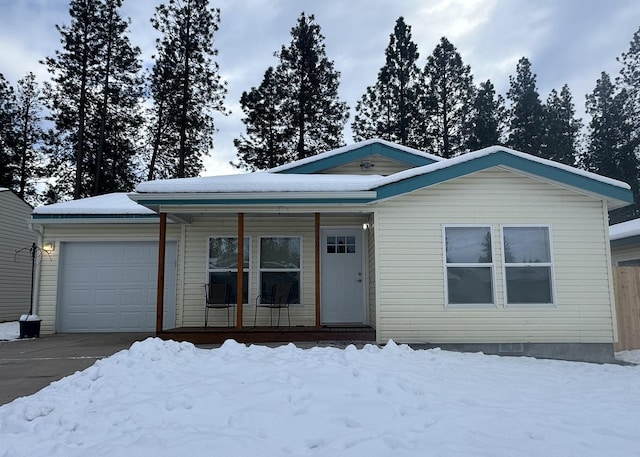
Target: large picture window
527	265
222	265
280	261
469	265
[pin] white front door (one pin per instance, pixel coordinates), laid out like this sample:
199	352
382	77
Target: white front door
342	276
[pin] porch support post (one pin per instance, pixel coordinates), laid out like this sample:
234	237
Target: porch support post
240	276
161	261
317	253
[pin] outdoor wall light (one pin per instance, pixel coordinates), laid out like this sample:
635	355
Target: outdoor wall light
48	247
366	164
365	226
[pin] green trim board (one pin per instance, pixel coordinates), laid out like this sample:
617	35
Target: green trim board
503	158
357	154
625	242
250	201
92	216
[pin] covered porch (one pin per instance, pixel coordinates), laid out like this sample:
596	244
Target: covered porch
325	254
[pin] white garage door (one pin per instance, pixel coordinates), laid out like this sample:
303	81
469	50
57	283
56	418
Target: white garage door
111	287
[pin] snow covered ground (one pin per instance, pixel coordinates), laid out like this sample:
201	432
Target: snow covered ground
164	398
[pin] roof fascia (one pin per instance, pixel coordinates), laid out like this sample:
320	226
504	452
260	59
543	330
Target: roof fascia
360	153
501	158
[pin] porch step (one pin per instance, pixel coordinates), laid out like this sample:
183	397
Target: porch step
218	335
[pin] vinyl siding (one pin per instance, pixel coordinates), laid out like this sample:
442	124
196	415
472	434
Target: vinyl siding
48	288
197	234
382	166
625	253
15	269
410	289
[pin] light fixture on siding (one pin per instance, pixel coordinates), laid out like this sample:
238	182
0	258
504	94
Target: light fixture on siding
48	247
366	164
365	226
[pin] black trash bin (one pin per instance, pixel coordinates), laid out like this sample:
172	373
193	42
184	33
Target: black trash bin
30	328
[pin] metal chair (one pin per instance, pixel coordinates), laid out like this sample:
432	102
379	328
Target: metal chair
282	294
217	296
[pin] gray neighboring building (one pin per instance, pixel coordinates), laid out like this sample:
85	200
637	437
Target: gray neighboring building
15	270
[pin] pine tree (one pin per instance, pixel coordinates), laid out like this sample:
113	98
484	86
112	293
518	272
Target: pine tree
264	146
93	99
389	109
450	96
186	88
561	128
312	112
629	80
526	113
488	117
28	134
8	159
611	149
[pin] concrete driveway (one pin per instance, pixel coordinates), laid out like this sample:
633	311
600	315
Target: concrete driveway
26	366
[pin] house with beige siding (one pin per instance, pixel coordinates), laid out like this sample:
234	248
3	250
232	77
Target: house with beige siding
15	259
625	243
493	250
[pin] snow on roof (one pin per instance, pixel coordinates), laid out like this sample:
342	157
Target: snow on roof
624	229
116	203
262	181
352	147
410	173
3	189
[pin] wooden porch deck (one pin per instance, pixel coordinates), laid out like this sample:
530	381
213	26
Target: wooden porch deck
218	335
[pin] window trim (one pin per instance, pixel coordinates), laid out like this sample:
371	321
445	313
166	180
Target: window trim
248	271
550	264
299	269
491	266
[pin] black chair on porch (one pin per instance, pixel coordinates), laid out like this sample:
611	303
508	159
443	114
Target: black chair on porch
282	294
217	296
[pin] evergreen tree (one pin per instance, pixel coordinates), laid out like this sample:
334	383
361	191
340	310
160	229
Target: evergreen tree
488	119
185	86
389	109
8	159
93	99
28	134
629	80
265	144
313	114
450	97
611	149
561	128
526	113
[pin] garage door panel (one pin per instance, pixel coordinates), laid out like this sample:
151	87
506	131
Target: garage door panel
111	286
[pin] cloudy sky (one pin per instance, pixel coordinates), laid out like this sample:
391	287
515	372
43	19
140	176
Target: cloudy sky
567	41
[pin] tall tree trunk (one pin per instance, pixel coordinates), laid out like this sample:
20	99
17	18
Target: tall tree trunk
77	192
105	102
185	96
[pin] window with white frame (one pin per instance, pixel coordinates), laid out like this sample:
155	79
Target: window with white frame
222	264
469	265
528	267
280	262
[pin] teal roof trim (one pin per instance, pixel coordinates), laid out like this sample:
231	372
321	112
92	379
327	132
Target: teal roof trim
92	216
501	158
360	153
624	242
252	201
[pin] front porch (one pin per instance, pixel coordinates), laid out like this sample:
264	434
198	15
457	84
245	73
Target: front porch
218	335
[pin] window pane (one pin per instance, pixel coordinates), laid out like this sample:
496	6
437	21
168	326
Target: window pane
280	252
224	277
526	245
223	253
529	285
468	244
269	278
472	285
